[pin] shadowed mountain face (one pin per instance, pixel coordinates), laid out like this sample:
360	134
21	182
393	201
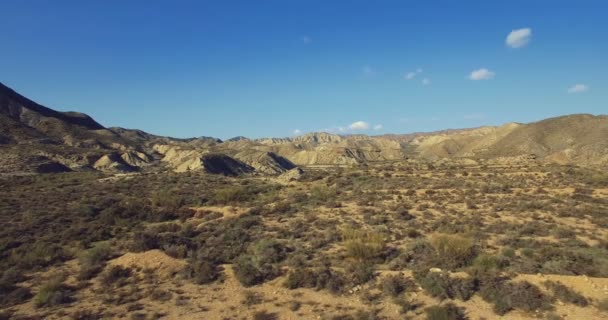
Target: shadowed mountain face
28	112
34	138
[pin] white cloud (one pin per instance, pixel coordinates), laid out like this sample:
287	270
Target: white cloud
359	125
410	75
578	88
426	81
297	132
378	127
519	38
482	74
306	39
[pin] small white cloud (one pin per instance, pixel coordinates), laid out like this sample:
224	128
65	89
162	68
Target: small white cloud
306	39
482	74
378	127
426	81
410	75
519	38
578	88
359	125
297	132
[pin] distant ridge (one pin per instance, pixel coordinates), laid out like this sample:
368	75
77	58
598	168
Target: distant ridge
34	138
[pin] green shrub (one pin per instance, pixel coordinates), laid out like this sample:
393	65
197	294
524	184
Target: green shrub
167	200
440	285
321	194
259	264
506	295
53	292
93	260
453	250
116	276
318	278
394	285
251	298
363	245
405	305
201	271
447	311
485	263
265	315
360	272
565	294
602	305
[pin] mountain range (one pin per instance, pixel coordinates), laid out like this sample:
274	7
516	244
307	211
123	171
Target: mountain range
37	139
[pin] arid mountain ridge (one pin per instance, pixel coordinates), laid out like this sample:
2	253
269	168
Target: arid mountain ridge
37	139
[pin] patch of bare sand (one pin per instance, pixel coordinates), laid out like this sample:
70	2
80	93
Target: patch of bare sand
164	265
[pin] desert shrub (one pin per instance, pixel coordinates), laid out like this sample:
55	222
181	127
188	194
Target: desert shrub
321	194
157	294
508	252
247	273
10	277
405	305
440	285
506	295
251	298
412	233
363	245
394	285
602	305
563	233
264	315
93	260
201	271
224	240
447	311
40	254
404	214
565	294
419	255
178	251
144	240
488	263
557	260
53	292
241	193
167	200
115	276
259	264
17	296
453	250
318	278
360	272
295	305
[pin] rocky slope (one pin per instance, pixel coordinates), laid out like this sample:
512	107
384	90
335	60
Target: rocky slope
34	138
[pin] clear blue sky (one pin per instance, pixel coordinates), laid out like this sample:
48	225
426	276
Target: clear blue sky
266	68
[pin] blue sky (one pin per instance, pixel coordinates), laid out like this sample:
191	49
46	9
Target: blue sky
268	68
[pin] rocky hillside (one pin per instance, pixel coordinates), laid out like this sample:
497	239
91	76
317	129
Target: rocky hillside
34	138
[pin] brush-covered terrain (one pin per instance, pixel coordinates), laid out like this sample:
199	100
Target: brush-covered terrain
407	239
